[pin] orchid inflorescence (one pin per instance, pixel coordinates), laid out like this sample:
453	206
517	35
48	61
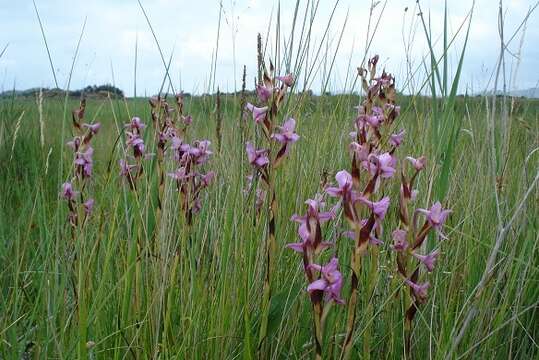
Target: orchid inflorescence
360	194
271	91
171	126
135	152
82	167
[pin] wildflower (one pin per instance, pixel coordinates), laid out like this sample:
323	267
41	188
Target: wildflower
84	162
393	110
136	123
263	93
135	141
67	191
88	206
305	243
258	158
379	208
187	120
125	168
200	151
309	224
399	240
419	163
94	128
207	179
428	260
360	150
396	140
75	143
288	79
419	290
259	113
344	190
385	165
330	282
180	174
313	212
287	135
436	216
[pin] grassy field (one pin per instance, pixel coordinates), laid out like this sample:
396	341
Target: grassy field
147	272
129	286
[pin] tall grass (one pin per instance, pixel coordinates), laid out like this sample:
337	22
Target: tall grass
152	289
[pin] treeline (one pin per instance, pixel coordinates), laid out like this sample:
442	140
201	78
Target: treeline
89	91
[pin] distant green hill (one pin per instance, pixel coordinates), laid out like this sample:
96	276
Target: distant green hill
90	91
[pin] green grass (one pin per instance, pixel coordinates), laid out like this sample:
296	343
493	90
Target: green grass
201	298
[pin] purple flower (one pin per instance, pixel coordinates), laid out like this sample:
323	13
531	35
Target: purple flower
179	149
393	108
361	151
330	282
428	260
396	140
263	93
180	174
419	163
136	123
75	143
84	162
344	190
125	168
311	220
384	165
287	135
436	216
94	128
88	206
187	120
200	151
67	191
313	211
360	109
420	290
259	113
305	236
286	79
135	141
399	240
207	179
374	120
258	158
379	208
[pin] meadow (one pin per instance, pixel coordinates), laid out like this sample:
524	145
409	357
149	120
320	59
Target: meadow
144	273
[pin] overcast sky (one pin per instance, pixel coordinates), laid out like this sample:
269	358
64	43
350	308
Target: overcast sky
188	30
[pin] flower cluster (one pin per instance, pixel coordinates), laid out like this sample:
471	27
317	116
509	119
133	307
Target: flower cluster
171	127
271	91
131	165
360	194
190	181
82	166
271	96
311	245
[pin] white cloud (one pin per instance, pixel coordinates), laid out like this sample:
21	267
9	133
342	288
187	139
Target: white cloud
190	27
